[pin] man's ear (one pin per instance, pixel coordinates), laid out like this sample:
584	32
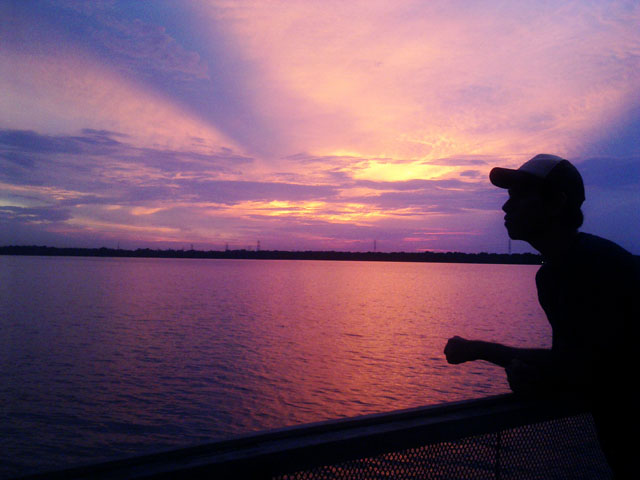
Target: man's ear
558	202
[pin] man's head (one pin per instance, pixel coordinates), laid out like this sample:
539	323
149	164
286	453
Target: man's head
545	193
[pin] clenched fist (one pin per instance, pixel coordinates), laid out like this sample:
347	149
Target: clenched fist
459	350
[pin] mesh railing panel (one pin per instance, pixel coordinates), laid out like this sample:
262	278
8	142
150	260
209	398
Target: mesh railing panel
502	437
559	449
565	448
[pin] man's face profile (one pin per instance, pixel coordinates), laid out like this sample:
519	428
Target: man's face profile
526	213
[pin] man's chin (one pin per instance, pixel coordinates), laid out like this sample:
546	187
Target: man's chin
514	233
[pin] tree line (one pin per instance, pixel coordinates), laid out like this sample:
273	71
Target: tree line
442	257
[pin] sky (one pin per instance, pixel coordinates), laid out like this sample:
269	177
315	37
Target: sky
309	125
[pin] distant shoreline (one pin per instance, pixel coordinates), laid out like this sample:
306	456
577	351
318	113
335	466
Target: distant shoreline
435	257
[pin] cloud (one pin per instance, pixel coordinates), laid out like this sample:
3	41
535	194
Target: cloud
27	147
437	80
460	160
129	42
235	191
148	49
96	181
91	173
33	215
55	85
94	142
96	178
428	196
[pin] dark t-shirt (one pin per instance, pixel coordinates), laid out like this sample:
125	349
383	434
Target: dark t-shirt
590	296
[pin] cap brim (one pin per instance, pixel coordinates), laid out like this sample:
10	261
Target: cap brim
508	178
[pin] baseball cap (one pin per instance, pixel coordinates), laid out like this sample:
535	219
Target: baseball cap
544	170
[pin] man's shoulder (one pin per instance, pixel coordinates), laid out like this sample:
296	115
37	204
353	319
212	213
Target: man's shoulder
591	259
590	244
600	254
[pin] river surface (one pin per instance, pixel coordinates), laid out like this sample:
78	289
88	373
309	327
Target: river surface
104	358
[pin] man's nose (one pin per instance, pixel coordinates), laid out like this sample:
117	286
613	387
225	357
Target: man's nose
505	206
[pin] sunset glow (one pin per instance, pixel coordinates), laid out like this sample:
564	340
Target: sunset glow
309	125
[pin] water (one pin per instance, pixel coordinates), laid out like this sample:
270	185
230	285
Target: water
102	358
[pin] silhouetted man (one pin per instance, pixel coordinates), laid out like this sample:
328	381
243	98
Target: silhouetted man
587	287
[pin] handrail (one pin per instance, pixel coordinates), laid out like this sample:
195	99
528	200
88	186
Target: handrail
301	447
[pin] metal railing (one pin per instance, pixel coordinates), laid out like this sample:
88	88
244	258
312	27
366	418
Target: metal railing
499	437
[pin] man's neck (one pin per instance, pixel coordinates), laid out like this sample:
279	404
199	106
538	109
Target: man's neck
553	244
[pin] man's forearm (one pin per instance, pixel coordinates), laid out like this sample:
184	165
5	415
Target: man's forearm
503	355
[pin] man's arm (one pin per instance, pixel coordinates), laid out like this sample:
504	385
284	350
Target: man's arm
460	350
528	369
